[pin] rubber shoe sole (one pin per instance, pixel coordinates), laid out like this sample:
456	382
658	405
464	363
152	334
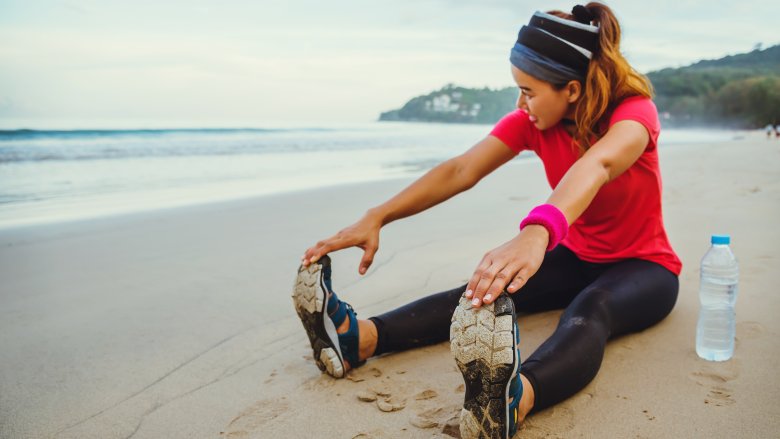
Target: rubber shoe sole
482	340
310	298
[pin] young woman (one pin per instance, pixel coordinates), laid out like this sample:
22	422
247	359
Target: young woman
597	248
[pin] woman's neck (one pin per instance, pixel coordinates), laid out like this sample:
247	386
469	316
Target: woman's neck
569	125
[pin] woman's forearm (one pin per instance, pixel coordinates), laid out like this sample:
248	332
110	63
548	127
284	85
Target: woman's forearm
578	188
612	155
439	184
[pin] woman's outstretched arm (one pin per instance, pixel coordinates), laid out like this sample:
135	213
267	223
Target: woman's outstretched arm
437	185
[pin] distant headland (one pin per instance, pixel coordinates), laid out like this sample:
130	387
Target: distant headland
737	91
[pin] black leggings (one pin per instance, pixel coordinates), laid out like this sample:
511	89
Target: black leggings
602	300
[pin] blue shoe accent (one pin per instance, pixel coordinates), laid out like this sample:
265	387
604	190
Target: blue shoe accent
515	390
338	310
349	342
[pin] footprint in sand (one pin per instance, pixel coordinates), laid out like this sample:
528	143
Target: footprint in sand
719	396
711	373
254	418
556	422
359	375
426	394
750	330
320	382
451	427
436	417
715	377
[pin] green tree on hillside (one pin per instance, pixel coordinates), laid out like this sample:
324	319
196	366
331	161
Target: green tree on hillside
752	102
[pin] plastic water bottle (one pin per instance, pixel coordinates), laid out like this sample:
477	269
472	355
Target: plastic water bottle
717	294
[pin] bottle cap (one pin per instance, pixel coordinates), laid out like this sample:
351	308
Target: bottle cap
720	239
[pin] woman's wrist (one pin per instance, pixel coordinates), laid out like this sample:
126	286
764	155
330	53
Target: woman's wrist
537	233
376	215
551	219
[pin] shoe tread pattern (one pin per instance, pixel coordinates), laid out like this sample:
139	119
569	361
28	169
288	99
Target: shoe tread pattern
482	342
309	300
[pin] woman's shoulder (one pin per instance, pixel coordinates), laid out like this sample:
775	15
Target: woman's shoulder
640	109
517	116
635	104
516	130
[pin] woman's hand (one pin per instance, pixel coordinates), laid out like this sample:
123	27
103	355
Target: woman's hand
363	234
513	263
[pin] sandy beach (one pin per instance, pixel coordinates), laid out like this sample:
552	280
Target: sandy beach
178	323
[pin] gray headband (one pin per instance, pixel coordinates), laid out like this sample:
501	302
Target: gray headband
555	50
541	67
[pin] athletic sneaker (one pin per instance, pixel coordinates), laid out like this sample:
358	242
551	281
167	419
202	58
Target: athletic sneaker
484	343
321	312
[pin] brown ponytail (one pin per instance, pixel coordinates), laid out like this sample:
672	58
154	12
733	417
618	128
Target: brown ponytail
610	78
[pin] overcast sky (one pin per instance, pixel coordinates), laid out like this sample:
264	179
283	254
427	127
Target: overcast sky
262	63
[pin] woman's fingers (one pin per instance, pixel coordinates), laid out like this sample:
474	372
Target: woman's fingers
519	280
307	255
363	234
498	285
481	270
315	253
488	279
368	258
322	248
492	284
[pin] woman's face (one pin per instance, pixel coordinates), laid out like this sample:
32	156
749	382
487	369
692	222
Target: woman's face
545	105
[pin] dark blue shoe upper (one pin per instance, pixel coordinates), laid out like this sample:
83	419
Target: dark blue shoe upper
349	342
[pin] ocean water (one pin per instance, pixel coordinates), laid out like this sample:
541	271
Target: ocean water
52	176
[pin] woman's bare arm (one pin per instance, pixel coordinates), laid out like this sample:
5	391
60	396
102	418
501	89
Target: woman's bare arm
446	180
437	185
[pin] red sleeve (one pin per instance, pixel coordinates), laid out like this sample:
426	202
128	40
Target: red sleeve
642	110
514	130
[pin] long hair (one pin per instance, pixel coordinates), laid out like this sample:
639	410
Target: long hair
610	78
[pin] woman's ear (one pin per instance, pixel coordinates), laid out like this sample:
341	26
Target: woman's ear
574	88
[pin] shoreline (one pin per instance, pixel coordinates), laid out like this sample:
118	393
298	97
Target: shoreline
64	219
111	205
178	323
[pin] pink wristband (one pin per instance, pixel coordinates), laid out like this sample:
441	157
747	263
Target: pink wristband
552	219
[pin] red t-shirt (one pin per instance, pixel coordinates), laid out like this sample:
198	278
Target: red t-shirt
624	220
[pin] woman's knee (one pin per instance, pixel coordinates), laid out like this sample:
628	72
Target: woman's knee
640	297
629	298
588	311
